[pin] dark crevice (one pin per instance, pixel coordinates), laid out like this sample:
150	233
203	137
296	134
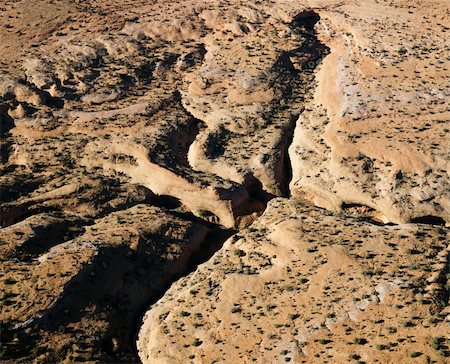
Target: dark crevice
429	220
6	124
287	166
173	147
213	242
116	284
256	190
165	201
307	19
295	81
6	121
21	185
10	215
358	207
216	142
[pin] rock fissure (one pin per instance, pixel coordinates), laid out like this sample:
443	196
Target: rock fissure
242	173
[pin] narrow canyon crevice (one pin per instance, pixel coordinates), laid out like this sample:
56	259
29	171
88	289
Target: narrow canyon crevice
122	283
314	51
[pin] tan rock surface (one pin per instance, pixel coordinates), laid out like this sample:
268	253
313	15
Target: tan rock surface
137	136
304	285
376	132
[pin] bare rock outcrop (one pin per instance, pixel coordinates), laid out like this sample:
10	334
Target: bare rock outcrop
304	285
376	131
138	136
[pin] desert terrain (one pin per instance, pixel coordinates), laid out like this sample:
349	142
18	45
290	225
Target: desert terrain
225	181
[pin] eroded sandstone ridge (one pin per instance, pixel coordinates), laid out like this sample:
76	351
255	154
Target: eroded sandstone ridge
376	131
294	287
137	136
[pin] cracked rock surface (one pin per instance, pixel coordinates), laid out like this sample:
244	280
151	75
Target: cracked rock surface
305	285
224	181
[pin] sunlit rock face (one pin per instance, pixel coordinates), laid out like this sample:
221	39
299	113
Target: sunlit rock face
224	181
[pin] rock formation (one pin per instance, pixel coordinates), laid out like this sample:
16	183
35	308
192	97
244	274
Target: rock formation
224	181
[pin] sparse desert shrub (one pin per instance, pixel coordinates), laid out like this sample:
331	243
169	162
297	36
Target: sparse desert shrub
239	253
359	341
9	281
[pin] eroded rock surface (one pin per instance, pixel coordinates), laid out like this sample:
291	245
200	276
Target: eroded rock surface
376	131
138	136
304	285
